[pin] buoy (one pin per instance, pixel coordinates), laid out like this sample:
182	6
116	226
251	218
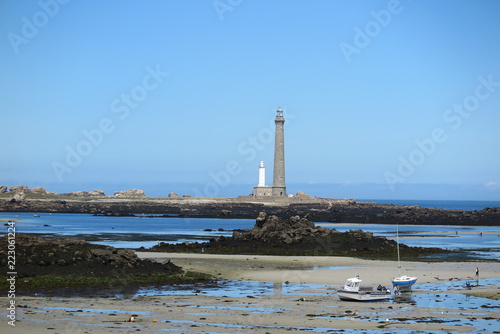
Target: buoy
154	320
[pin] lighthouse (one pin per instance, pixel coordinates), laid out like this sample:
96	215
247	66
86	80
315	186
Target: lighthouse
262	175
262	189
279	187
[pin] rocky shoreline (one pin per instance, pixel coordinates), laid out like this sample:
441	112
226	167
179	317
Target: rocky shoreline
317	209
61	262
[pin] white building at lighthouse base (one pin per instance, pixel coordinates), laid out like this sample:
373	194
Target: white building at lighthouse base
262	189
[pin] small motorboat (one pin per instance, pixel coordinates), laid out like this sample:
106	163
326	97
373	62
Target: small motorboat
353	290
403	283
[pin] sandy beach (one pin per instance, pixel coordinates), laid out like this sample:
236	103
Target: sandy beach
294	293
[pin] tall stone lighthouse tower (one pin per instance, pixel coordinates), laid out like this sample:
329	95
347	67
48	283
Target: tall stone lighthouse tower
279	187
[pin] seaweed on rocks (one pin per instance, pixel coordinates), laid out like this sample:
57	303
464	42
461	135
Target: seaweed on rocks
52	262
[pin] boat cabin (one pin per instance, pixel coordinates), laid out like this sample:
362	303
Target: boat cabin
352	284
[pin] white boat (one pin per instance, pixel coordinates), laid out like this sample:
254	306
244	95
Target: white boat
353	290
402	283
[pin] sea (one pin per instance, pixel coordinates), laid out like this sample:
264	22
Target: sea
148	230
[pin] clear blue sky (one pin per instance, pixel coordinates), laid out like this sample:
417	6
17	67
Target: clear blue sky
382	99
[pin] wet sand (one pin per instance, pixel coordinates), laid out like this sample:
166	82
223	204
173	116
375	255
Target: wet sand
322	269
313	307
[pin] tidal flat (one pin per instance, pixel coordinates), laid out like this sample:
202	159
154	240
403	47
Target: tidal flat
273	294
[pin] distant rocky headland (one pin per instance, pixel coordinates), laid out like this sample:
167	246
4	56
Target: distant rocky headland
134	201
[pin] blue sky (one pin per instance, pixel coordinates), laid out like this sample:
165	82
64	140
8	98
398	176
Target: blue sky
382	99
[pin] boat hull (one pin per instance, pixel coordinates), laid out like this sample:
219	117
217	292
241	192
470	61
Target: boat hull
364	296
404	284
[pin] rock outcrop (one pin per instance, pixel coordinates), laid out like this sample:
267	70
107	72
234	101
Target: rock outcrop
130	193
296	230
93	193
24	189
272	229
297	235
38	190
97	193
19	189
174	195
19	197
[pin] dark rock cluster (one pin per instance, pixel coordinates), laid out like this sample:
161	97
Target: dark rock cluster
300	233
275	230
296	235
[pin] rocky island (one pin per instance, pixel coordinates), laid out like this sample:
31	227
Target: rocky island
134	201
